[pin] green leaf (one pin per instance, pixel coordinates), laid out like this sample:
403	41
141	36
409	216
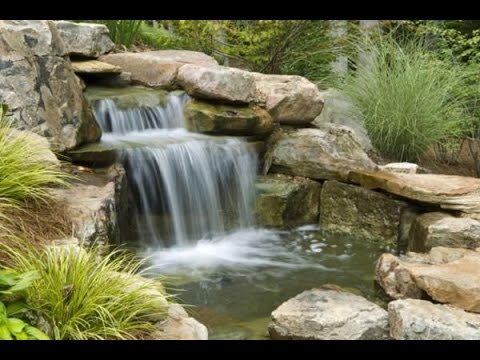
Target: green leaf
16	308
24	281
36	334
3	312
5	333
21	336
7	279
15	325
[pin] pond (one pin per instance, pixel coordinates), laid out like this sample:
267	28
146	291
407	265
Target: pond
232	283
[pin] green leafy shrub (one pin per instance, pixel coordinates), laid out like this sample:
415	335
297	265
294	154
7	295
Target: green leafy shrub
87	295
408	99
300	47
12	288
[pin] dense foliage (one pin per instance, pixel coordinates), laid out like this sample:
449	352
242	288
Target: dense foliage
300	47
12	307
88	295
407	98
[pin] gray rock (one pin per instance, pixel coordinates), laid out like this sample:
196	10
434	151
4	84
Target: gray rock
337	110
218	83
421	320
39	86
85	39
179	326
289	99
157	68
442	229
314	153
95	206
211	118
446	275
322	314
367	214
284	201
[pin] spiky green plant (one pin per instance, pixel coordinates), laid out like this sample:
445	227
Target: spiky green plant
87	295
408	99
24	173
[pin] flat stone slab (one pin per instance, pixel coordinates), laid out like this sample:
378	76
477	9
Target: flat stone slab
157	68
324	314
448	191
421	320
95	67
446	275
442	229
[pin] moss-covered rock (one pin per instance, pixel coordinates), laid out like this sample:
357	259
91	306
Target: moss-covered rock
283	201
211	118
129	97
349	209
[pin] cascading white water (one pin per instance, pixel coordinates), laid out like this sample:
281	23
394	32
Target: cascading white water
185	186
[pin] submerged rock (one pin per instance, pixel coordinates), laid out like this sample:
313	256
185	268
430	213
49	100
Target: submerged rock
217	83
446	275
290	99
284	201
350	209
85	39
318	154
39	86
325	314
128	98
211	118
157	68
421	320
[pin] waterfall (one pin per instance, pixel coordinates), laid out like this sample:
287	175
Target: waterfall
184	186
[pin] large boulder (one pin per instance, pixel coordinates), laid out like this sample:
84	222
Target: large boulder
290	99
85	39
211	118
337	110
442	229
218	83
284	201
95	205
367	214
40	88
179	326
157	68
450	192
446	275
421	320
318	154
324	314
